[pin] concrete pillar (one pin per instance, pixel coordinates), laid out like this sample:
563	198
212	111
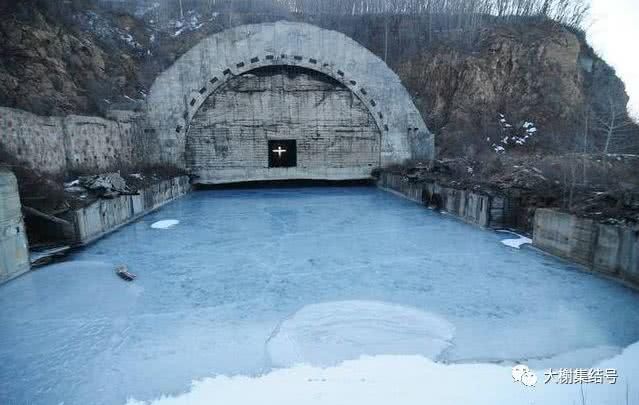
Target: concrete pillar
14	251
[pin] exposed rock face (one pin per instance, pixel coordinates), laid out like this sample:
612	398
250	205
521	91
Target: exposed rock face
44	69
531	73
49	69
528	71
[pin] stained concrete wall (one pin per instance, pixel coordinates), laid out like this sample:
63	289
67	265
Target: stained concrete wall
105	216
178	93
54	145
474	208
608	249
336	136
14	252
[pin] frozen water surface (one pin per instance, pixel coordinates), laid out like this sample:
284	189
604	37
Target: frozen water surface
215	292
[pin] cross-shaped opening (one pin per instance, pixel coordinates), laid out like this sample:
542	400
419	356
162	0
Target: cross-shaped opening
282	153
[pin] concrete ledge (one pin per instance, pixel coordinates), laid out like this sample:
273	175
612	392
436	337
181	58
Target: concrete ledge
105	216
608	249
228	176
474	208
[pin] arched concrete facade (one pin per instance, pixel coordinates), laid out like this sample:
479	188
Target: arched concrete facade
178	92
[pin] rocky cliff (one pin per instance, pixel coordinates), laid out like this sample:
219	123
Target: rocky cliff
517	86
533	83
49	67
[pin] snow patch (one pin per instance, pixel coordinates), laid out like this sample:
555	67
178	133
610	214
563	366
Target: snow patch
409	380
326	334
518	242
165	224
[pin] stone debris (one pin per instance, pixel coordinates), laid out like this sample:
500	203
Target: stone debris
108	185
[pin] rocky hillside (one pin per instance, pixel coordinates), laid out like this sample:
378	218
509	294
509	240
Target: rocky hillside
535	85
50	68
512	87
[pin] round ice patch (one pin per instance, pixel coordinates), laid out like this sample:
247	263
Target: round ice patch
327	334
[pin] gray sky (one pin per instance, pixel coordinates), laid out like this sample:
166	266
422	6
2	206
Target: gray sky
614	33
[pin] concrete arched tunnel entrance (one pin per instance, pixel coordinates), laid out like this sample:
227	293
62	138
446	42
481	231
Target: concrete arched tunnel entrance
282	122
284	101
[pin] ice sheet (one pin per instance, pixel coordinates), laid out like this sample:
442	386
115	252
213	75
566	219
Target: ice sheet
211	291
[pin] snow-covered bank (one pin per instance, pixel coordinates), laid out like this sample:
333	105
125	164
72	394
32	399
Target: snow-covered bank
408	380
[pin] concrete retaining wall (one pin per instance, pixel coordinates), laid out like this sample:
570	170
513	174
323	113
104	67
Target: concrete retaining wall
14	251
475	208
609	249
105	216
54	145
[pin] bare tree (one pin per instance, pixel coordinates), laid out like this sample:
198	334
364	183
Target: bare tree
615	125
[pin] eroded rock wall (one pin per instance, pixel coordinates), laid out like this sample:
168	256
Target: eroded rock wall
521	73
56	145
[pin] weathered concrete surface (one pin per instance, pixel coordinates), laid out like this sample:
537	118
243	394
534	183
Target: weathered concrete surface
228	138
14	252
608	249
474	208
179	92
54	145
105	216
565	235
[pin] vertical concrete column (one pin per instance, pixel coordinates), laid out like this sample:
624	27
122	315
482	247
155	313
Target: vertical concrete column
14	251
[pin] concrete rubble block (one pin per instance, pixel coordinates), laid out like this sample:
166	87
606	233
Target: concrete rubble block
106	185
